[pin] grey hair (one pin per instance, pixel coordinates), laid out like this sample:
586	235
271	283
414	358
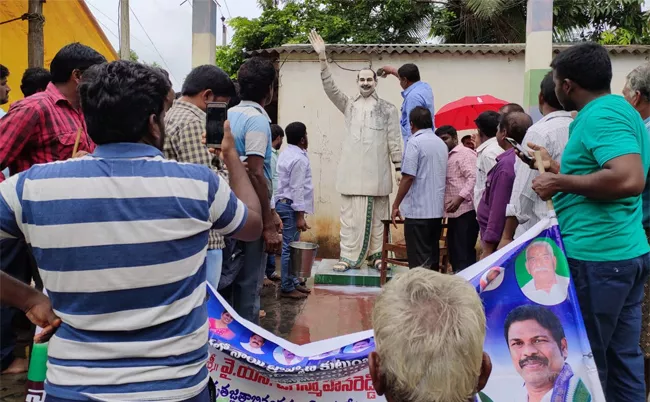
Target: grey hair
540	243
429	335
639	80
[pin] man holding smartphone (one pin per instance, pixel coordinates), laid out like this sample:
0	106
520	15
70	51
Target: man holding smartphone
185	123
251	128
491	212
525	208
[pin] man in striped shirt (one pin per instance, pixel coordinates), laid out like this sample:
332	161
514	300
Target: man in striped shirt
120	238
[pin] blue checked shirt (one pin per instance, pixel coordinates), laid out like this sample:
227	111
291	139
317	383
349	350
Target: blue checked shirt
425	159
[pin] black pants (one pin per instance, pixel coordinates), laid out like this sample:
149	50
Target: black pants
423	242
462	234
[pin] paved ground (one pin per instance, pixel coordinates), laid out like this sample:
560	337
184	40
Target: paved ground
330	311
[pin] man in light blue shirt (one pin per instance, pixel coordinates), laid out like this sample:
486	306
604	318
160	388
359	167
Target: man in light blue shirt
422	191
4	88
293	200
251	128
277	136
416	93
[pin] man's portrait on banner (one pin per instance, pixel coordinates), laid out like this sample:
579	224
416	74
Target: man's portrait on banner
491	279
285	357
539	349
542	273
254	345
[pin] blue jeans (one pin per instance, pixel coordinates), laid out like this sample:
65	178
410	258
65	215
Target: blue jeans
289	234
270	265
610	295
213	265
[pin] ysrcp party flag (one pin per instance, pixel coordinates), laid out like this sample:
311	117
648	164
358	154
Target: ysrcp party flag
535	337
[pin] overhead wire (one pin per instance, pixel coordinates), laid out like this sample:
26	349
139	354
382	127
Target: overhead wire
227	8
114	22
153	44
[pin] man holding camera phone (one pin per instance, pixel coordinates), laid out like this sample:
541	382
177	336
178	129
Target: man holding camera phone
186	123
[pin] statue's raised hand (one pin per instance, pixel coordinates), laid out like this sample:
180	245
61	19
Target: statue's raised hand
317	43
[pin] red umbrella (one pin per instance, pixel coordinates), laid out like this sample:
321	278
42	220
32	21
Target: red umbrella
461	113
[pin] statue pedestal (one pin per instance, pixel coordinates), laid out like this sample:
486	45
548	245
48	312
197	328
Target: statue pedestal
324	275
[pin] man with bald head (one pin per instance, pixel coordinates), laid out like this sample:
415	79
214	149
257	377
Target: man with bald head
491	212
371	142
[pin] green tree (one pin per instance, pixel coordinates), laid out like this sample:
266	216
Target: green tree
133	56
338	21
414	21
574	20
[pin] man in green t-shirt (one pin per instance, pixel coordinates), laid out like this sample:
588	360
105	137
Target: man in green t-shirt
597	196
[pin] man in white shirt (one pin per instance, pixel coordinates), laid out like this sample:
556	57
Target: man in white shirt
488	125
551	132
547	287
293	199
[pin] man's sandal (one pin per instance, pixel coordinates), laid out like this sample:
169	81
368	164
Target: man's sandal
341	266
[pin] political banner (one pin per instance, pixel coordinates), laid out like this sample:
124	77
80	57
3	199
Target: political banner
535	337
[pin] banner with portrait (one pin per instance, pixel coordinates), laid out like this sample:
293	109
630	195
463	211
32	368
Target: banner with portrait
535	338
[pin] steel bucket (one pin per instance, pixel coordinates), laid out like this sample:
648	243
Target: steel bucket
302	255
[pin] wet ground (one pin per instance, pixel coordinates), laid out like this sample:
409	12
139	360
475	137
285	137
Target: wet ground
329	311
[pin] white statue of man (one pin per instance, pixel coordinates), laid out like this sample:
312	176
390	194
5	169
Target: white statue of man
372	141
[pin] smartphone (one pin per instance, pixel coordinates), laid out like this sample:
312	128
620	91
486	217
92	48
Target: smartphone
216	115
522	152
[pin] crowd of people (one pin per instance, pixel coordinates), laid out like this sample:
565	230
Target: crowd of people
595	148
125	232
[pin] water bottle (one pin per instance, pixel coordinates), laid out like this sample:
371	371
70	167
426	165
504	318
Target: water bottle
35	386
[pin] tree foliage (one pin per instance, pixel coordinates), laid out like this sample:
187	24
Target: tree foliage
133	56
414	21
574	20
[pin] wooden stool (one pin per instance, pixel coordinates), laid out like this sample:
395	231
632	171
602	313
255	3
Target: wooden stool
400	249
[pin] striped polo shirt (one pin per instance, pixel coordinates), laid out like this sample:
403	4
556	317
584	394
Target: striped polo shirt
120	238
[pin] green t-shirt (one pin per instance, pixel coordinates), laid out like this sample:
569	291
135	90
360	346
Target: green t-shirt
595	230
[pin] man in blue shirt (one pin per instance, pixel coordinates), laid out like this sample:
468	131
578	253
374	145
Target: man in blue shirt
294	198
120	238
277	136
421	193
637	93
251	128
416	93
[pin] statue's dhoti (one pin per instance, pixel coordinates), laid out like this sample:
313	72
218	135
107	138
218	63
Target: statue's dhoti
361	228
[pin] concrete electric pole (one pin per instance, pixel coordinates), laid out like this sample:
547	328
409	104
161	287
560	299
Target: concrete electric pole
224	39
204	32
125	31
35	49
539	51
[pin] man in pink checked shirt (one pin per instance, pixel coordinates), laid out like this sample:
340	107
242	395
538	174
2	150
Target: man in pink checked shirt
462	232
